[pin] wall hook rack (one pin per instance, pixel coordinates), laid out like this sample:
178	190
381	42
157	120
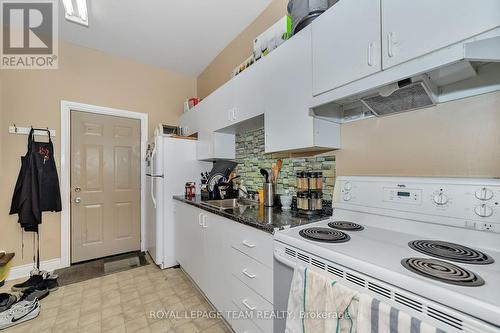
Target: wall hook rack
26	130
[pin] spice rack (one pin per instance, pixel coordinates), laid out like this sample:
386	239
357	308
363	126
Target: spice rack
309	191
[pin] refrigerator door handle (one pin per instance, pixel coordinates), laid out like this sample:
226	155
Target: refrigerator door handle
153	192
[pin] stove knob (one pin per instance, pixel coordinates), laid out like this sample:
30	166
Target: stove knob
347	186
440	199
347	197
484	194
483	210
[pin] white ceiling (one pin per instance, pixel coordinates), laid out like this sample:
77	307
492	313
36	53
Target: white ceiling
181	35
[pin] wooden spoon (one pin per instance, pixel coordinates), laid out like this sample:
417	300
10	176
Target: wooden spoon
276	169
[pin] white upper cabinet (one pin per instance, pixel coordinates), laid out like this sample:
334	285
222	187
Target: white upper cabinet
286	95
189	121
247	94
214	145
217	108
346	43
413	28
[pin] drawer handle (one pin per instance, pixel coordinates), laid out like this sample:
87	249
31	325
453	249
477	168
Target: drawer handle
245	303
248	244
251	276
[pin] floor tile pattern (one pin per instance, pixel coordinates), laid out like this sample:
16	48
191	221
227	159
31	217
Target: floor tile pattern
127	301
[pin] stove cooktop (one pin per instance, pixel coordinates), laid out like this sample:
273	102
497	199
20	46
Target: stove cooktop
469	285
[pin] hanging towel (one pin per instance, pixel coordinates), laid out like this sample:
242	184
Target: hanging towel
319	304
377	317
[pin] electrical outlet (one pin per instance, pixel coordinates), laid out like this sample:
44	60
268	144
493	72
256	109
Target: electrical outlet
487	226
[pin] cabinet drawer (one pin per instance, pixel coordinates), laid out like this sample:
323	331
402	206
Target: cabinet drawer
254	243
245	326
254	274
250	302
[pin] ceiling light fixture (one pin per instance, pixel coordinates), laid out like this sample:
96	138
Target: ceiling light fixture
80	15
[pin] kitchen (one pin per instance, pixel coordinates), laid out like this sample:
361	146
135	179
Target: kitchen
319	158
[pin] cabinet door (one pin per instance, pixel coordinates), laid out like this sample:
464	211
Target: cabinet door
218	106
287	92
215	145
190	121
204	145
216	260
413	28
189	240
247	94
346	44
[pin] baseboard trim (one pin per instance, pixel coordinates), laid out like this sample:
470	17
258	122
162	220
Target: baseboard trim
23	271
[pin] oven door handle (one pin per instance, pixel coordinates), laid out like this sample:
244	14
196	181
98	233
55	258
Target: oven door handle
284	261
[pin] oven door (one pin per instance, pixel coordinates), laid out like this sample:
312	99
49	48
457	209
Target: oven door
283	274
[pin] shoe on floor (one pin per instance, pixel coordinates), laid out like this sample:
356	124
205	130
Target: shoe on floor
19	312
6	301
33	281
33	293
51	283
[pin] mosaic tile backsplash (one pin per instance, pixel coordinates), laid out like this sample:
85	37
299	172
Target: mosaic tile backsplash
251	158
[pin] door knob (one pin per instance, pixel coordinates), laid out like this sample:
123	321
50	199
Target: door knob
78	189
78	200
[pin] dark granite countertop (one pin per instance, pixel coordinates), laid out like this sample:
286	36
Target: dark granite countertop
269	219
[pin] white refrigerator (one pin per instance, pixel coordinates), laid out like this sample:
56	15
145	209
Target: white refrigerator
169	165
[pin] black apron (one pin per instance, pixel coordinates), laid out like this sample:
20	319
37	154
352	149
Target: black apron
37	187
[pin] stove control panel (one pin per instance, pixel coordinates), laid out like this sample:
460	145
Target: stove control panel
403	195
466	203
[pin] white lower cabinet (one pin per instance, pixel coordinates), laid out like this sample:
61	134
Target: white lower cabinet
247	300
229	278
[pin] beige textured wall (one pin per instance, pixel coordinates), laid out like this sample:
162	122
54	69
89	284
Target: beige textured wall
33	97
455	139
219	70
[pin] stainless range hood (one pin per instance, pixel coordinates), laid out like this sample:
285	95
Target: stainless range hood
474	69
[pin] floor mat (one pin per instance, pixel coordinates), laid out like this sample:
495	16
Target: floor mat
100	267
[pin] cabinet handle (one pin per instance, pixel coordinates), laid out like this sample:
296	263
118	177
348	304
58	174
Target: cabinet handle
251	276
229	115
234	113
204	221
390	51
249	307
199	219
370	47
248	244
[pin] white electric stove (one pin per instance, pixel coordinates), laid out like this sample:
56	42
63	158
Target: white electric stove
428	246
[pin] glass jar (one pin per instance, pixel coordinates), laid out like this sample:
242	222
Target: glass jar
313	180
301	181
302	201
319	181
316	201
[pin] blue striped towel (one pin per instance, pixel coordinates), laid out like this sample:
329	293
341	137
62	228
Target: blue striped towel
376	317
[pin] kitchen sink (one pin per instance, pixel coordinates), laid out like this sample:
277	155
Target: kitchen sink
229	203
